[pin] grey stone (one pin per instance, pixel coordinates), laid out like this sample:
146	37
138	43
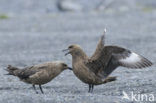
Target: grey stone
68	5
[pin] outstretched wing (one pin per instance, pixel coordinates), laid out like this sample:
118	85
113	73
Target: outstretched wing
97	60
132	60
99	46
112	56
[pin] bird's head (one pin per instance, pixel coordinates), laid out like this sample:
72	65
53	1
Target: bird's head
62	65
74	50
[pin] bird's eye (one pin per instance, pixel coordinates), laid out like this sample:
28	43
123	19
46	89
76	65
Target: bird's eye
64	65
70	47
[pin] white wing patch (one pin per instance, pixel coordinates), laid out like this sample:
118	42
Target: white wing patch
133	58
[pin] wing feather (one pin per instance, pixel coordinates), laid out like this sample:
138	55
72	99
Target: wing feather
99	46
29	71
134	60
110	57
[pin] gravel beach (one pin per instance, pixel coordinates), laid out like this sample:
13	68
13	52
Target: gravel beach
33	33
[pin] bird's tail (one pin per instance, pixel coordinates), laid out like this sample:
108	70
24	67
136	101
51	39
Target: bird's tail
11	70
109	79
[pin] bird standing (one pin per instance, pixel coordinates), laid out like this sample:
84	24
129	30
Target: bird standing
95	70
38	74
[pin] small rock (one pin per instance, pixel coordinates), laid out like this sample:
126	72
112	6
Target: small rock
104	4
68	5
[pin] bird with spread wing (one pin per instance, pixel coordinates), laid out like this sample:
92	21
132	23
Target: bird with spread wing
95	70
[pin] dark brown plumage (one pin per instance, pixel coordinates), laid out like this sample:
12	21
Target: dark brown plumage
38	74
95	70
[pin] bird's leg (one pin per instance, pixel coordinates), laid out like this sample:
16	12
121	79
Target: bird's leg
89	88
92	87
41	89
35	88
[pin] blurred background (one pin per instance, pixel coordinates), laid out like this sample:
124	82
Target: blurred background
35	31
57	6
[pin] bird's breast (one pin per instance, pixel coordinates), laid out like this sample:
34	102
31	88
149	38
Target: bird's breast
83	73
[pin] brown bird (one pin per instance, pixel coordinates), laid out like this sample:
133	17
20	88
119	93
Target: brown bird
38	74
95	70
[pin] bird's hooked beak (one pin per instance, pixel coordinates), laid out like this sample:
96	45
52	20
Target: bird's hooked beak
70	68
67	51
